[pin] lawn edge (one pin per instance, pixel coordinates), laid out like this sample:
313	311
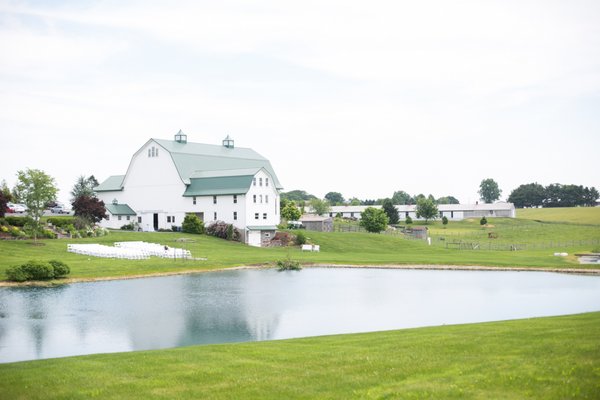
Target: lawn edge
433	267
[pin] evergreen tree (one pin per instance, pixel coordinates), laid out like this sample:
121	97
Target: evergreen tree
391	211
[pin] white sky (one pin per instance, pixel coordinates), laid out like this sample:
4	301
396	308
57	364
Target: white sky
362	98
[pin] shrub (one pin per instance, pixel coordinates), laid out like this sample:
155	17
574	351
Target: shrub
230	232
219	229
483	221
192	224
81	223
282	237
300	238
99	231
409	220
127	227
48	234
16	232
444	220
16	274
288	265
16	221
61	222
60	268
38	271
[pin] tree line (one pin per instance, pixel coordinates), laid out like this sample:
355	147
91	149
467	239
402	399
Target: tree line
400	197
527	195
554	195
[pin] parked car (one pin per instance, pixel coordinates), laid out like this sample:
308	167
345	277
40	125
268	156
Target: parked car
60	209
16	208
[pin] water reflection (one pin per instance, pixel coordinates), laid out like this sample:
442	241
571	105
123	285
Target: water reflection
236	306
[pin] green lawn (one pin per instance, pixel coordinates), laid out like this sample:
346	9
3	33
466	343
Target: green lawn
543	240
579	215
545	358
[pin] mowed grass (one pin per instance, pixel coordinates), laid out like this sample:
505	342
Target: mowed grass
544	358
534	233
336	248
578	215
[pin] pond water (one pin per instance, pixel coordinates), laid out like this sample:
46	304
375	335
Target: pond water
250	305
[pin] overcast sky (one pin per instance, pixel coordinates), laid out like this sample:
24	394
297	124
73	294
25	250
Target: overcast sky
362	98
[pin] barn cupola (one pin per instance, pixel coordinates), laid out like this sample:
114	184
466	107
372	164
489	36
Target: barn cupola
181	137
228	142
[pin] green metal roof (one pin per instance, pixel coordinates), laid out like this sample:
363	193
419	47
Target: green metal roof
218	185
111	184
225	172
119	209
192	158
262	228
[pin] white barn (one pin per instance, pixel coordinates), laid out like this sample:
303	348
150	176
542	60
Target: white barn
455	212
168	179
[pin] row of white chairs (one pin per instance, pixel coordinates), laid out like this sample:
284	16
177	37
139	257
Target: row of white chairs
156	249
125	250
100	250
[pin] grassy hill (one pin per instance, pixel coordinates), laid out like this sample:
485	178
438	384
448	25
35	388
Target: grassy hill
549	358
578	215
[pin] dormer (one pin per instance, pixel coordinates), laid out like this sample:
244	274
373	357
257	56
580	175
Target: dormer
228	142
181	137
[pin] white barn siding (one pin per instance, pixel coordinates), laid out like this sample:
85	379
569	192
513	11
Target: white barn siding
267	202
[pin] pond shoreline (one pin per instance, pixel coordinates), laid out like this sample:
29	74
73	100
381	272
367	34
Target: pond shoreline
434	267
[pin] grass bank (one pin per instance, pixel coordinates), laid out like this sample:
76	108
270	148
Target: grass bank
550	358
336	248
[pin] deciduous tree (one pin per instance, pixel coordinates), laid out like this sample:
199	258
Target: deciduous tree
427	209
373	220
400	197
89	208
489	190
334	198
319	206
528	195
5	198
35	188
290	212
447	200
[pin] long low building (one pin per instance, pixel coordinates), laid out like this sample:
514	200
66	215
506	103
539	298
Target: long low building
455	212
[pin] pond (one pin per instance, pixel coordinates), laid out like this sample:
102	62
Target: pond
251	305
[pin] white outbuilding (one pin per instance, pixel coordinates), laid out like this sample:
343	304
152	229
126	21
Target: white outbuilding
455	212
168	179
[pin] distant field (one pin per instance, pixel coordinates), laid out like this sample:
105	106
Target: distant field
541	358
578	215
